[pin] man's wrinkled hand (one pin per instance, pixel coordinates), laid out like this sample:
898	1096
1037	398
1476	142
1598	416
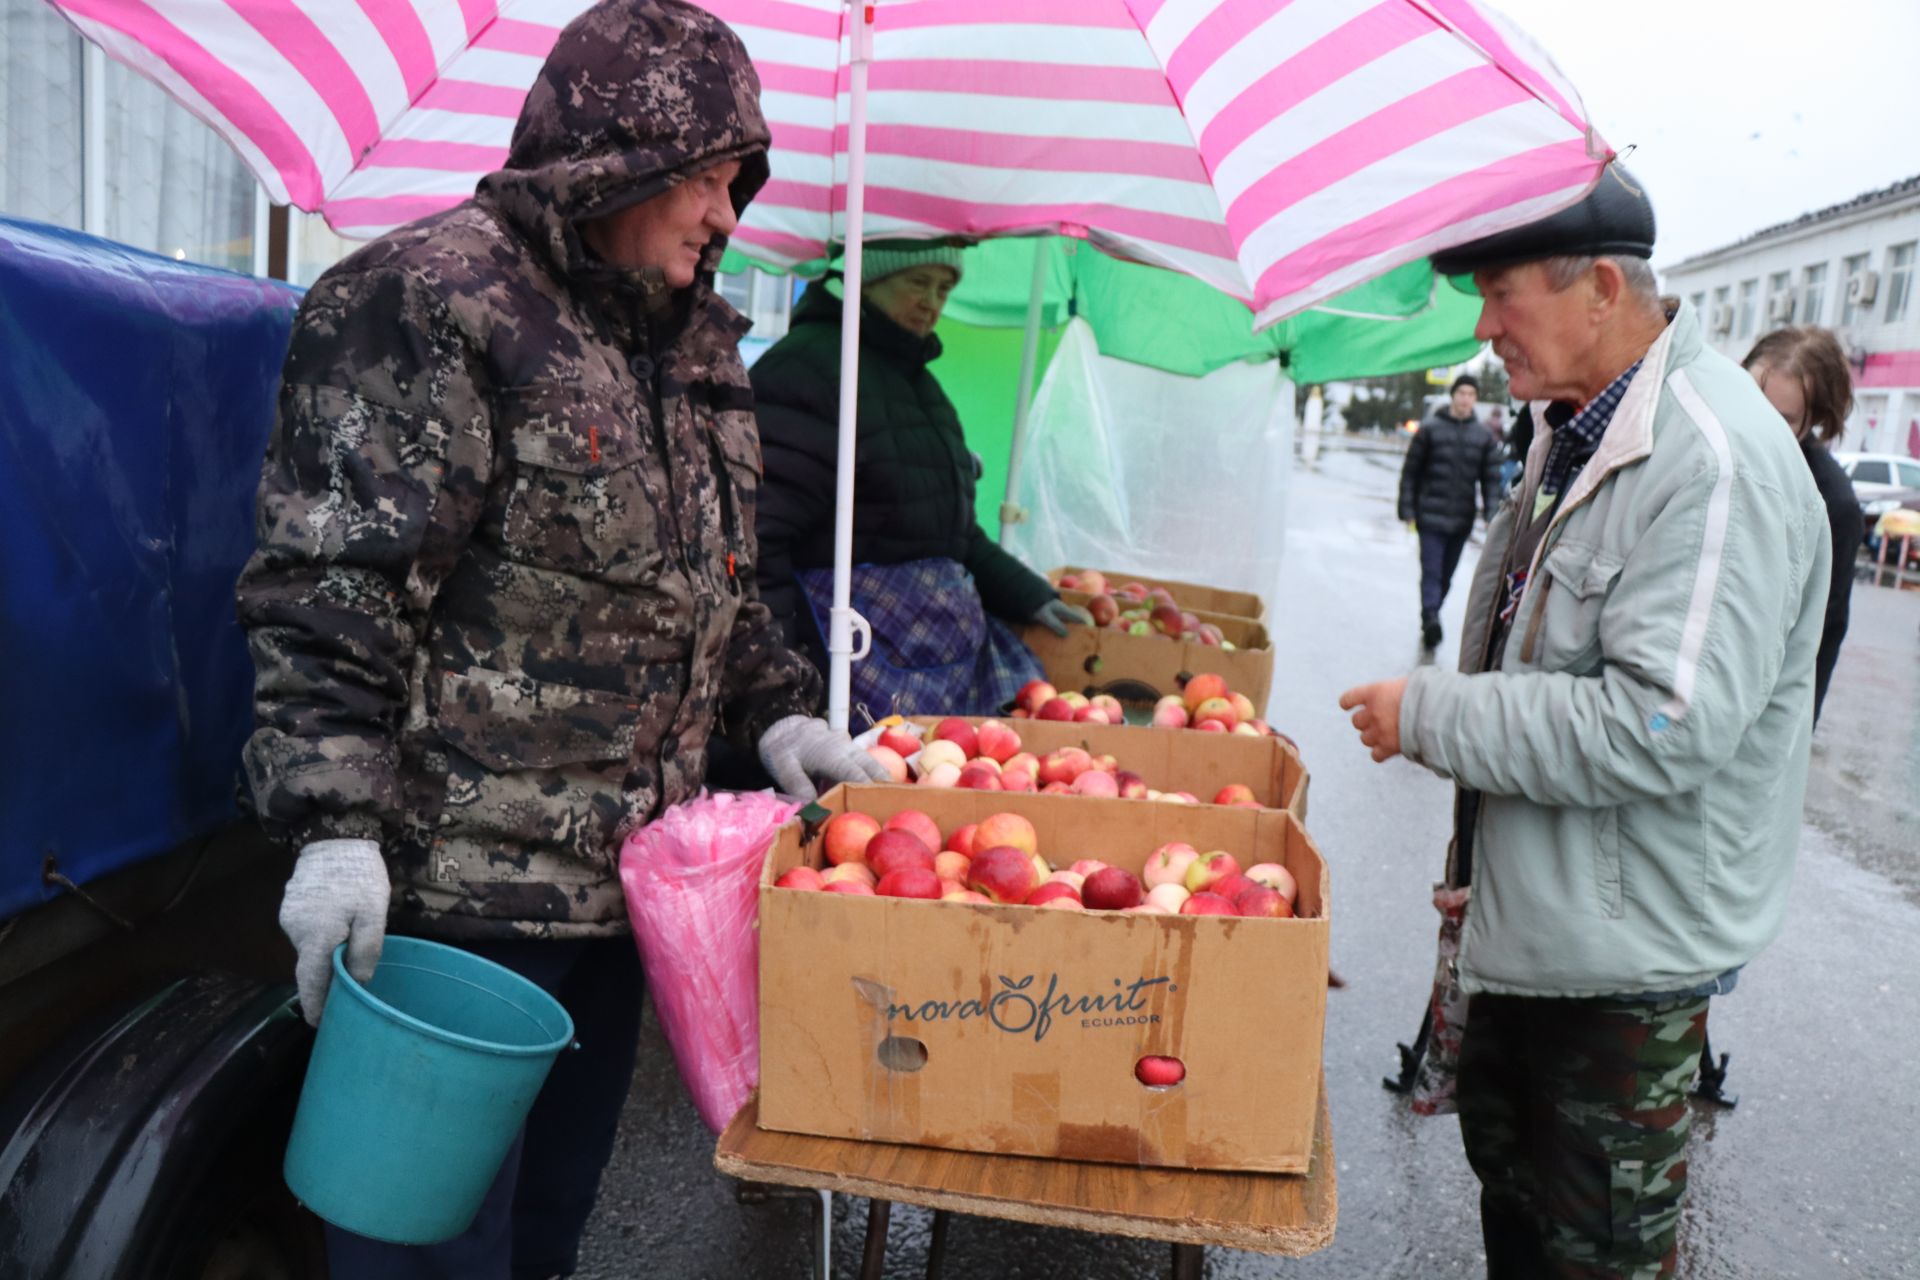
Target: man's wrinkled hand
1376	714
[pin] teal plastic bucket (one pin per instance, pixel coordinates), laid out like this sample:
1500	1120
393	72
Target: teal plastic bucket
419	1081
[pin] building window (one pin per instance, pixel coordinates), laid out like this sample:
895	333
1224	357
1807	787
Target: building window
1813	289
761	297
170	184
1779	298
1721	319
1899	283
1749	291
1851	269
1699	303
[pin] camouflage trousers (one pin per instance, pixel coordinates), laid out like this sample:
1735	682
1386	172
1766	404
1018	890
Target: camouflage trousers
1574	1116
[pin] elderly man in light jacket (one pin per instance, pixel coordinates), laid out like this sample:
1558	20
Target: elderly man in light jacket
1628	731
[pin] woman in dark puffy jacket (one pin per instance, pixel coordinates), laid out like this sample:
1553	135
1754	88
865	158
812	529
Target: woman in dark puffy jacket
937	591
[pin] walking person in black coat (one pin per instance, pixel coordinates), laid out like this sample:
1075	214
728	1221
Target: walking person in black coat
1452	466
938	592
1804	374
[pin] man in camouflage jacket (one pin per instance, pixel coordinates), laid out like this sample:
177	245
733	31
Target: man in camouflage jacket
504	589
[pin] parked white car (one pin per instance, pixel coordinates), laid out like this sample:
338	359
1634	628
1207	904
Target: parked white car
1881	481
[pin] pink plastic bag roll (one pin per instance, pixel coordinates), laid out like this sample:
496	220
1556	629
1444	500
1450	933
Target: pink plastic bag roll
692	879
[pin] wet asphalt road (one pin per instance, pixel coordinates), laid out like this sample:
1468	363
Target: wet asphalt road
1812	1176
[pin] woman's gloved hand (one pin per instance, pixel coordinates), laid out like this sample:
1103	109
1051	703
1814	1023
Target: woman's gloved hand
1056	615
799	749
338	893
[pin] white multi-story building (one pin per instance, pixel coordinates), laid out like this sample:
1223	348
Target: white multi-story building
1849	268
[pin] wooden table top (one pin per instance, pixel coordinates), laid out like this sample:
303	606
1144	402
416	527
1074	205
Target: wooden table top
1264	1212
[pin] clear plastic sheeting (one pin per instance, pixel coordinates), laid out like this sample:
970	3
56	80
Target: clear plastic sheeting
1126	467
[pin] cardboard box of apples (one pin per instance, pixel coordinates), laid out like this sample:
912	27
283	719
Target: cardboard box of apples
1012	1011
1094	758
1148	639
1191	595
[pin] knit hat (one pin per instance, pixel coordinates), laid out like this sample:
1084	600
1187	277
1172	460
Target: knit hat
886	257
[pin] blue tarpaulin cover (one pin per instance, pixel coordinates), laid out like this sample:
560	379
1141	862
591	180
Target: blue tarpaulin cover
136	394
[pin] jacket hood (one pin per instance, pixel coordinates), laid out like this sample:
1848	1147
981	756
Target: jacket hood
636	96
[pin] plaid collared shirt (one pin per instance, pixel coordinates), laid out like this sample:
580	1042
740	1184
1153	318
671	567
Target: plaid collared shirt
1579	439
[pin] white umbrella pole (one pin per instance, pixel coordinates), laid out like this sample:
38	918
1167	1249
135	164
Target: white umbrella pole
843	621
1310	427
1010	512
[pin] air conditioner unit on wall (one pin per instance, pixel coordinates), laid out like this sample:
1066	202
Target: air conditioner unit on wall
1780	308
1723	318
1861	288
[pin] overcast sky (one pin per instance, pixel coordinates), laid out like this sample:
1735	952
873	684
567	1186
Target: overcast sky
1742	121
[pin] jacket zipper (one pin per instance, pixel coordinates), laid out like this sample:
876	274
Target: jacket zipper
1533	623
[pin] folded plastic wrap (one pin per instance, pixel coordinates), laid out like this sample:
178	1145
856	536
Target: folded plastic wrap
692	880
1127	467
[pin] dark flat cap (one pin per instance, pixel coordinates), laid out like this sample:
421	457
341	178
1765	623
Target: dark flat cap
1615	220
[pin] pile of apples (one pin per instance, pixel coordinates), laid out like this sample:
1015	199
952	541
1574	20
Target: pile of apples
1140	610
997	860
989	757
1207	704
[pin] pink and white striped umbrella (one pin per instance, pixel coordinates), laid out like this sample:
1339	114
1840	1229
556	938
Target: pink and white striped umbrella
1280	150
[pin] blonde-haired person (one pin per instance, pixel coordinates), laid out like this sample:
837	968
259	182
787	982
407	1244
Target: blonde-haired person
1804	374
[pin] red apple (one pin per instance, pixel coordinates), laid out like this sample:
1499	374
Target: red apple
1275	877
1258	900
1230	886
901	741
1160	595
1092	715
909	882
1057	789
1104	609
1132	785
978	776
1025	761
891	850
1211	726
1033	695
1189	622
1173	717
1064	765
1054	709
1116	713
1168	864
801	878
1097	784
1207	634
1106	764
1052	891
1062	903
1202	687
1002	872
1006	829
960	893
1246	730
949	865
1209	868
957	731
1242	705
1016	780
918	823
1234	793
849	886
1111	889
890	761
1169	897
1216	709
1069	582
1087	866
858	872
961	841
1166	620
847	836
1157	1072
1074	698
1067	877
1207	904
998	742
1135	590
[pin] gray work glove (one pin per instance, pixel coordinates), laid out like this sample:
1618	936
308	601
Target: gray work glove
338	893
798	749
1055	615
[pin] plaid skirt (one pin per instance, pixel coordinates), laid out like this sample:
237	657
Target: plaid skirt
936	651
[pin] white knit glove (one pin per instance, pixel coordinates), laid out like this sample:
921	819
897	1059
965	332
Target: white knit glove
798	749
338	893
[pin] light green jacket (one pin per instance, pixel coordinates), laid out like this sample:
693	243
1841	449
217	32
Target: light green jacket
1642	749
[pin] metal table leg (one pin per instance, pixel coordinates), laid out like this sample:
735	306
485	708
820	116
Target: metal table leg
1189	1261
824	1264
873	1260
937	1246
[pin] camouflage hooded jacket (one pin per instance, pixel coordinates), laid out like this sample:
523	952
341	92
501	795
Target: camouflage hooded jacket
504	589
